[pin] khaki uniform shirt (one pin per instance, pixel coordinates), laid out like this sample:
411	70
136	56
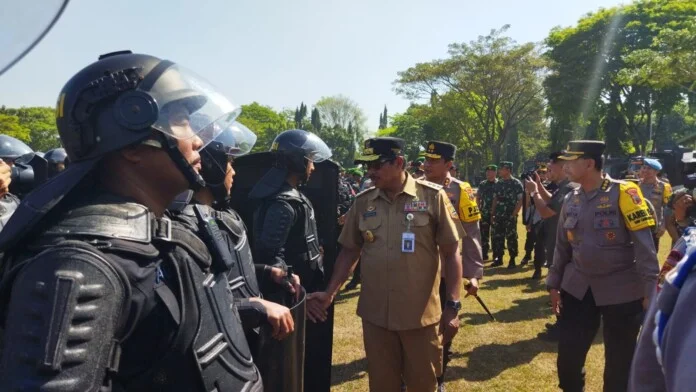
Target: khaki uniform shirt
658	194
604	242
400	291
462	197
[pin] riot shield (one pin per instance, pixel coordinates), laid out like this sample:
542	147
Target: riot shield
322	191
281	362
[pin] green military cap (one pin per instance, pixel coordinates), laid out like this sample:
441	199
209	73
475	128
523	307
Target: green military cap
581	148
506	164
492	167
439	150
382	148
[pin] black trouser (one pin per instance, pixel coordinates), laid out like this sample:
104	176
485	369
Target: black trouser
539	231
446	353
529	243
578	325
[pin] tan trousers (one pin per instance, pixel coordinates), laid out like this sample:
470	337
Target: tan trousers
414	355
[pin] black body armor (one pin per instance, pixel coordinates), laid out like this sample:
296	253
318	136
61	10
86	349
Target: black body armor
111	298
286	231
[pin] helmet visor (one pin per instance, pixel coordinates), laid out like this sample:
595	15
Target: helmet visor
315	148
237	139
22	25
189	106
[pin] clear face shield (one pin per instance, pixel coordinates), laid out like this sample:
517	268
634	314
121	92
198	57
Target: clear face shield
189	106
236	140
22	25
315	148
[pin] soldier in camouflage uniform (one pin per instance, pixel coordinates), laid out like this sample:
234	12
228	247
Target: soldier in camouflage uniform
507	201
484	199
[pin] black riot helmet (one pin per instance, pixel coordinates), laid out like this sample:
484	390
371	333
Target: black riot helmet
296	147
234	141
56	161
124	99
11	148
292	150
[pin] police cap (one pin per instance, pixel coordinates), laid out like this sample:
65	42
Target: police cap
583	148
381	148
439	150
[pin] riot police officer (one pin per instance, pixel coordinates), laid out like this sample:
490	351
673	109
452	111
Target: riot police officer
285	232
100	290
56	161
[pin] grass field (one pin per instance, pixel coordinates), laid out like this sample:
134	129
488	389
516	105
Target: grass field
505	355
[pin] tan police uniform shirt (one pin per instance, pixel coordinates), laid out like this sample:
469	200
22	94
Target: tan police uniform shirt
604	243
462	197
400	291
658	194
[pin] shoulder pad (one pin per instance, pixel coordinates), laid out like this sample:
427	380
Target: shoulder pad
64	296
366	191
232	221
429	184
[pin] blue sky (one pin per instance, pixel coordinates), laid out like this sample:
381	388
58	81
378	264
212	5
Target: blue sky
279	53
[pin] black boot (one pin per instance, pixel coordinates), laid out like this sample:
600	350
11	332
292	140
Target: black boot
537	274
511	264
497	261
525	259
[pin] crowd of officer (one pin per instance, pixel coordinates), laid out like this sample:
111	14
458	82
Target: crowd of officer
130	270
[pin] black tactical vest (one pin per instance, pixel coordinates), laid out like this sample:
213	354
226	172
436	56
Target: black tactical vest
302	246
241	274
203	347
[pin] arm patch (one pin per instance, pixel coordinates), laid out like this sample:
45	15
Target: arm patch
633	207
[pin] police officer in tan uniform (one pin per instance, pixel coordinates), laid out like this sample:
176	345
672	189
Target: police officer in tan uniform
438	161
604	268
399	229
657	191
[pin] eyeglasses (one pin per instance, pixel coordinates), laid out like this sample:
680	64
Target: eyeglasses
376	165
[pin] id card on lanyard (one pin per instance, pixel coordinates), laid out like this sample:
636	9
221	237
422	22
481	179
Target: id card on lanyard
408	239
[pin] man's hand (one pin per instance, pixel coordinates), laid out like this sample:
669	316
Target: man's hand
661	231
279	318
449	325
529	228
531	186
342	220
317	303
292	285
471	287
5	178
681	206
646	303
537	179
556	303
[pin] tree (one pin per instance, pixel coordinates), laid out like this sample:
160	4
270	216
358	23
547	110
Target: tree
300	114
316	120
605	66
383	119
337	113
487	86
264	122
10	126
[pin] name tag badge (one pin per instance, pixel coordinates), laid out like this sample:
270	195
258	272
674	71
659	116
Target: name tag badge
416	206
408	242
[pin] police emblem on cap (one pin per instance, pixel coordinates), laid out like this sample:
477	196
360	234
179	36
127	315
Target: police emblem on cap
431	147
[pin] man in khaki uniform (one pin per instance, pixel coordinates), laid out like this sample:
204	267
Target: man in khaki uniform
657	191
438	161
399	229
604	265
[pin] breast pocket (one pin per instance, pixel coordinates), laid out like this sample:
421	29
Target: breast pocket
370	228
608	231
570	225
420	222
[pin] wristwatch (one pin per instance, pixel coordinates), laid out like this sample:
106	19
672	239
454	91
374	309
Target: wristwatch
456	305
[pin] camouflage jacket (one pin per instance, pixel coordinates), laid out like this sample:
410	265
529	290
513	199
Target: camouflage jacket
485	192
508	193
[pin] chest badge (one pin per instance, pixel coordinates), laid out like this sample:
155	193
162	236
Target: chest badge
416	206
604	199
369	236
610	235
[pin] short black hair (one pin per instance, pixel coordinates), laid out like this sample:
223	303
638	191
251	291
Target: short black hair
598	161
553	157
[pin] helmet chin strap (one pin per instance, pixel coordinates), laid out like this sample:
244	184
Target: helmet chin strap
169	145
